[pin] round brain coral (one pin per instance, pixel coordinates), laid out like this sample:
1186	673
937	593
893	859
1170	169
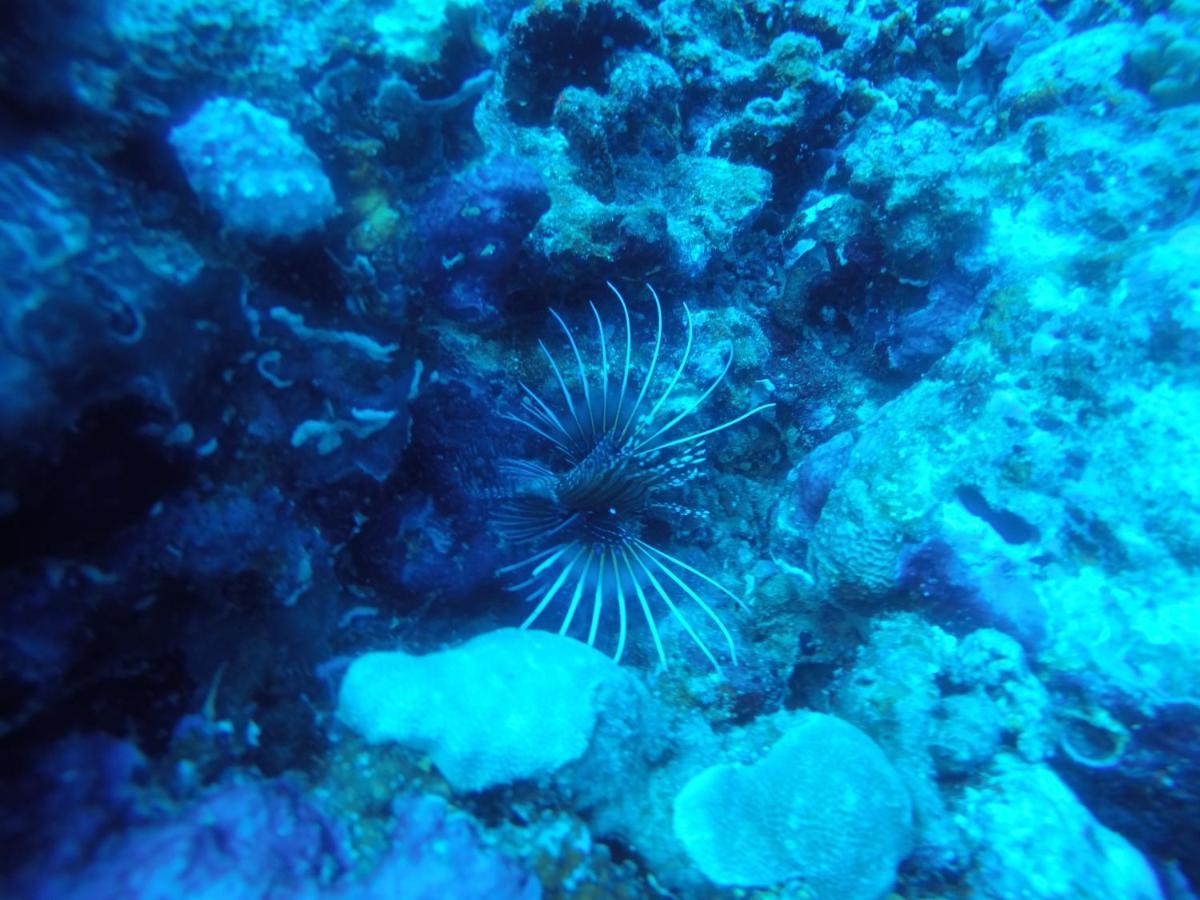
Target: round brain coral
824	810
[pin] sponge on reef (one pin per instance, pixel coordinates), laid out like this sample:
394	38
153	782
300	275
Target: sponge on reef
505	706
823	809
256	173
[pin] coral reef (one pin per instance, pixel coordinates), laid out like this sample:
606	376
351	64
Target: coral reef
900	562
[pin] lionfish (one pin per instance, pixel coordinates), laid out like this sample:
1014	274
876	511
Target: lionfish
618	452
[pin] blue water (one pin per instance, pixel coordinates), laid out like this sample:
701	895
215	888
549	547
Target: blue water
599	449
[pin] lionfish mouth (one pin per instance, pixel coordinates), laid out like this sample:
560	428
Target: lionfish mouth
619	454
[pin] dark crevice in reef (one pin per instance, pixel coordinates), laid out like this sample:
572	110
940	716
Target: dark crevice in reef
1014	529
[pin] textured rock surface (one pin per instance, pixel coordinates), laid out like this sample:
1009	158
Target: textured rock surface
1025	812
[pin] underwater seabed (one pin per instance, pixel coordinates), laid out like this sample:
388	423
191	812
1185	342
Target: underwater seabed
691	449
